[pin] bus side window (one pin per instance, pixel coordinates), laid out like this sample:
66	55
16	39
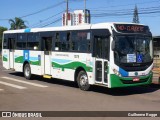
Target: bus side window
21	41
33	41
68	40
65	41
5	42
81	41
57	42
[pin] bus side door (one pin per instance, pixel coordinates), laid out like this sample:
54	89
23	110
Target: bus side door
101	54
11	46
46	43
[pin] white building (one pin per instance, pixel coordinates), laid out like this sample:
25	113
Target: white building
76	18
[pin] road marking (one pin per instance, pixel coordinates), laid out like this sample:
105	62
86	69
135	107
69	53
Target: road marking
12	85
29	83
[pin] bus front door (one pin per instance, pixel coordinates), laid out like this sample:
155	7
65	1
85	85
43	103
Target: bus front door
47	46
101	53
11	46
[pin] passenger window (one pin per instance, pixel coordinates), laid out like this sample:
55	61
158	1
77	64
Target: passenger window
5	42
33	42
81	41
63	41
21	41
57	42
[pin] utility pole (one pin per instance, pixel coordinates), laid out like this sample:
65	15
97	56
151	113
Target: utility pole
66	12
84	11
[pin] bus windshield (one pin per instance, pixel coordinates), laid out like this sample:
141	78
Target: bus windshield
133	49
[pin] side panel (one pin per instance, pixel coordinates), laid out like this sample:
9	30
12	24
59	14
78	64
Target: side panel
33	57
35	62
5	58
65	64
18	58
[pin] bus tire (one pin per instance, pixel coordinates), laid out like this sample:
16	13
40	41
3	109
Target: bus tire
82	80
27	71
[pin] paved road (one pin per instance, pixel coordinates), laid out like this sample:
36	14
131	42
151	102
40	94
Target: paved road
19	94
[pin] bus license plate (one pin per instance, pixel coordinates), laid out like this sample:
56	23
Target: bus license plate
135	79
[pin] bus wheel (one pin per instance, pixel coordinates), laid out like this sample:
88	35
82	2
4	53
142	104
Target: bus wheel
27	71
82	81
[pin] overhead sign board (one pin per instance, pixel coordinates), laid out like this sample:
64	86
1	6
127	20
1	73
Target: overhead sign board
131	28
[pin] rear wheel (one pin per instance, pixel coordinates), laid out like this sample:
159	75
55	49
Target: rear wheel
27	71
82	80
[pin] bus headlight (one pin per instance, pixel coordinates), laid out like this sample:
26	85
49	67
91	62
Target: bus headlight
116	72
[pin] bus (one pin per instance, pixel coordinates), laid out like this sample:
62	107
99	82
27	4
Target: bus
105	54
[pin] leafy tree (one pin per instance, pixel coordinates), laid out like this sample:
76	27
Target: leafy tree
135	15
17	23
2	29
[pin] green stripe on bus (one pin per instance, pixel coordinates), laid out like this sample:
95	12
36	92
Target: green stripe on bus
5	59
72	65
35	63
19	59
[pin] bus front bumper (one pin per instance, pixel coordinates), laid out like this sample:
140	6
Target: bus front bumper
117	81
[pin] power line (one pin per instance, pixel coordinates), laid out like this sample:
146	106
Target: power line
57	20
124	5
42	10
122	12
41	21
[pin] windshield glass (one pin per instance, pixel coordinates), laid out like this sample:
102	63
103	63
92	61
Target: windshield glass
133	49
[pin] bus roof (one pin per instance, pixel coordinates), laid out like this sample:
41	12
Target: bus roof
64	28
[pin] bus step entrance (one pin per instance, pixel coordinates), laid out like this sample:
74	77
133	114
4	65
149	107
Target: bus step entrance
47	76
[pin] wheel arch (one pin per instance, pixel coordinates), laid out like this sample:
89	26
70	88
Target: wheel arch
78	69
25	62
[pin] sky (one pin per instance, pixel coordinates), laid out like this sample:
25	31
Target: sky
46	13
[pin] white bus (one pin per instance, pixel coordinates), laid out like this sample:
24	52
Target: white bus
104	54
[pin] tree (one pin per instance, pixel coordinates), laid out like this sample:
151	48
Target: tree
17	23
135	15
2	29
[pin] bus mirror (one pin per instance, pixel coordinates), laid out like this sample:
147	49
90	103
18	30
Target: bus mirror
56	48
113	45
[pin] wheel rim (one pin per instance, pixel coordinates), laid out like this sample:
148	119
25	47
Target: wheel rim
83	80
27	71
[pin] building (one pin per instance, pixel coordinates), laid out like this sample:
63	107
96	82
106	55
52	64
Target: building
68	21
76	18
156	46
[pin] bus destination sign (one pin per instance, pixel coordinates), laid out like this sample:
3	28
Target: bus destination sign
131	28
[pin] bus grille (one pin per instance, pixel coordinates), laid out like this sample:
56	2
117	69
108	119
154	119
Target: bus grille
134	82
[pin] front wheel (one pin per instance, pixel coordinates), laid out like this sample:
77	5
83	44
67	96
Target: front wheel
27	71
82	81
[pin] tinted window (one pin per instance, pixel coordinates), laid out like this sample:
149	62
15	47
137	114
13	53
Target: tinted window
21	41
33	42
80	41
101	43
5	42
63	40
